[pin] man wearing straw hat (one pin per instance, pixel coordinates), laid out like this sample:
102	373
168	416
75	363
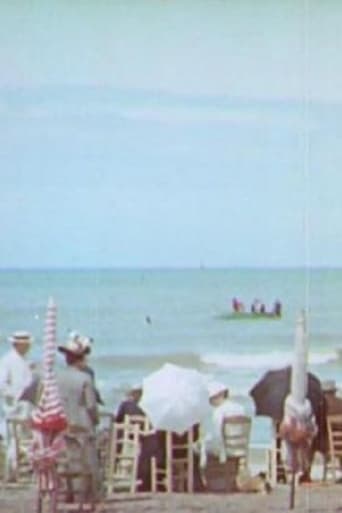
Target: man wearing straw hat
15	376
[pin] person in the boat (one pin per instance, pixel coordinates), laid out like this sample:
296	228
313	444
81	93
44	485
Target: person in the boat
277	308
236	304
256	306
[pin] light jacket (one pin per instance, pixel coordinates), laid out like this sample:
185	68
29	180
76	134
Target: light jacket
15	375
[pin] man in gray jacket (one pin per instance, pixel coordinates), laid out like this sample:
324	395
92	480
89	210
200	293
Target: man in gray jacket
79	401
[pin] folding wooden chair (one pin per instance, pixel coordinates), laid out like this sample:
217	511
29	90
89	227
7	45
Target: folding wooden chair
20	435
236	432
177	472
333	459
142	421
103	437
122	463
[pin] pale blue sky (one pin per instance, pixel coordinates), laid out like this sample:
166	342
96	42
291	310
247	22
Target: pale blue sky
170	133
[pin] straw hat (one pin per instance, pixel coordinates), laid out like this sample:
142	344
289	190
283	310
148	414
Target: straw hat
21	337
329	385
215	388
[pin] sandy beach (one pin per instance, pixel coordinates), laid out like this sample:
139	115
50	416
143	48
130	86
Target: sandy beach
316	498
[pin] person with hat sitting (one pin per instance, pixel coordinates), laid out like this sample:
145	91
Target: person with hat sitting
130	405
15	376
334	403
79	401
222	406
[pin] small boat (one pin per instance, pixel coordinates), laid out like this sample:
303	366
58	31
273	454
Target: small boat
244	316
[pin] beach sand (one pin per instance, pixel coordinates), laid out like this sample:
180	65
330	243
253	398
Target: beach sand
315	498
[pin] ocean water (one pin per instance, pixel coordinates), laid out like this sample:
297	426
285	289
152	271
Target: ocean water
184	308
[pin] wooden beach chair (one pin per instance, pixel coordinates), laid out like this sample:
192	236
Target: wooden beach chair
102	440
122	463
236	432
334	458
142	421
177	472
19	431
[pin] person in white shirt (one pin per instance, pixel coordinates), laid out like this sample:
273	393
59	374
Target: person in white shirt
15	376
222	407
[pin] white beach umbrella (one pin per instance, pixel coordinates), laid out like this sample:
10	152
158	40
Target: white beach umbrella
175	398
298	426
299	376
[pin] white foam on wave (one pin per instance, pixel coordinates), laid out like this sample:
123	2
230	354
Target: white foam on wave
268	360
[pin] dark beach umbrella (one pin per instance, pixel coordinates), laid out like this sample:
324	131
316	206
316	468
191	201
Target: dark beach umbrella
270	392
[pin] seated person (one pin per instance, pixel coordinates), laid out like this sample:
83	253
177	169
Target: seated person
222	407
130	406
150	445
334	403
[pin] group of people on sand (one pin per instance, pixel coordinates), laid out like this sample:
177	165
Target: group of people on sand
78	394
81	401
207	436
257	307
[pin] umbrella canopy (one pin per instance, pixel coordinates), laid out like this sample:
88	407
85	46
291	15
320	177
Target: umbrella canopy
49	416
270	392
175	398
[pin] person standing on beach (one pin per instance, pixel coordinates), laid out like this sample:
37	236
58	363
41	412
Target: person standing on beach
79	402
15	376
86	343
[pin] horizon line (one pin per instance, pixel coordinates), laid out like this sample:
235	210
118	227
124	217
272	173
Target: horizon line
200	267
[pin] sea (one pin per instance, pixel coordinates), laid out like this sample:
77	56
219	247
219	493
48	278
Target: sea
142	318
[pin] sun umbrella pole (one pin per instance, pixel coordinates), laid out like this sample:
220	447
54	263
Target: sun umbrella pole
298	427
293	490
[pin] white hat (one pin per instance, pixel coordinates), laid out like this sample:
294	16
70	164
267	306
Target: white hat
215	388
75	337
75	347
21	337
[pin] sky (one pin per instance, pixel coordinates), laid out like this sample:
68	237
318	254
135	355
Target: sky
168	133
